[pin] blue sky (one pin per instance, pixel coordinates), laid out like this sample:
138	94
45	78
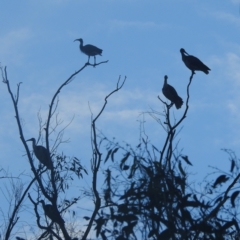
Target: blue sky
141	40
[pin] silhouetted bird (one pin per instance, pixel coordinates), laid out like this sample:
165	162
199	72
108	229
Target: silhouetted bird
89	50
51	213
170	93
193	63
41	153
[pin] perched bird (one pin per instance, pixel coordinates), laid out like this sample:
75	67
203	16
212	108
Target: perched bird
89	50
193	63
41	153
51	213
170	93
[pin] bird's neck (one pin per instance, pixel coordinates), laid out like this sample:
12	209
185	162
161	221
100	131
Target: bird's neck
165	82
81	44
34	144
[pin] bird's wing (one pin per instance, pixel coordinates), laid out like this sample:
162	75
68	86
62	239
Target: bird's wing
92	49
194	61
170	93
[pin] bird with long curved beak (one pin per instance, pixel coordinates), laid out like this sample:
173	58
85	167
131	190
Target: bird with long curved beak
193	63
89	50
41	153
171	94
53	214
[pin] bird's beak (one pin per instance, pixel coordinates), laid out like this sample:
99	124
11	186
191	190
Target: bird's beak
185	52
76	40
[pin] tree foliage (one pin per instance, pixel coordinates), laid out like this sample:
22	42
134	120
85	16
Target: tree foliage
147	193
152	197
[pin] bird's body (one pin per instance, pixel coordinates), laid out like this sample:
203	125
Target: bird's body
51	213
89	50
41	154
171	94
193	63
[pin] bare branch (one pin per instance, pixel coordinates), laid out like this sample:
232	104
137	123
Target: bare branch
97	158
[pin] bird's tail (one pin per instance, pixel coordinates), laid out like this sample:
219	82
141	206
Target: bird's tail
206	71
179	103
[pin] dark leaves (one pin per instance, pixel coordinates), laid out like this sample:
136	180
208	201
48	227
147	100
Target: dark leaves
126	218
152	233
166	234
129	229
124	160
181	169
133	167
112	155
221	179
185	158
130	192
233	197
126	167
232	165
108	155
99	223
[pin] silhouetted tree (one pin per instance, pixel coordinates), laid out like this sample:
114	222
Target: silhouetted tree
146	193
150	196
53	182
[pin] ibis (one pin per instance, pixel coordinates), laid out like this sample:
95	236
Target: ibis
89	50
41	153
50	212
171	94
193	63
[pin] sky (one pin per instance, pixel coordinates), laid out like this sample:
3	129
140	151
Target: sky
141	40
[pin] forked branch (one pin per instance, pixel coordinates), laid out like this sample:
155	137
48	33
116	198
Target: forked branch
97	158
171	128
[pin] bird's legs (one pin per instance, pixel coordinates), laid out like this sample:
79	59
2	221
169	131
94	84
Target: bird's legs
94	60
88	58
170	105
